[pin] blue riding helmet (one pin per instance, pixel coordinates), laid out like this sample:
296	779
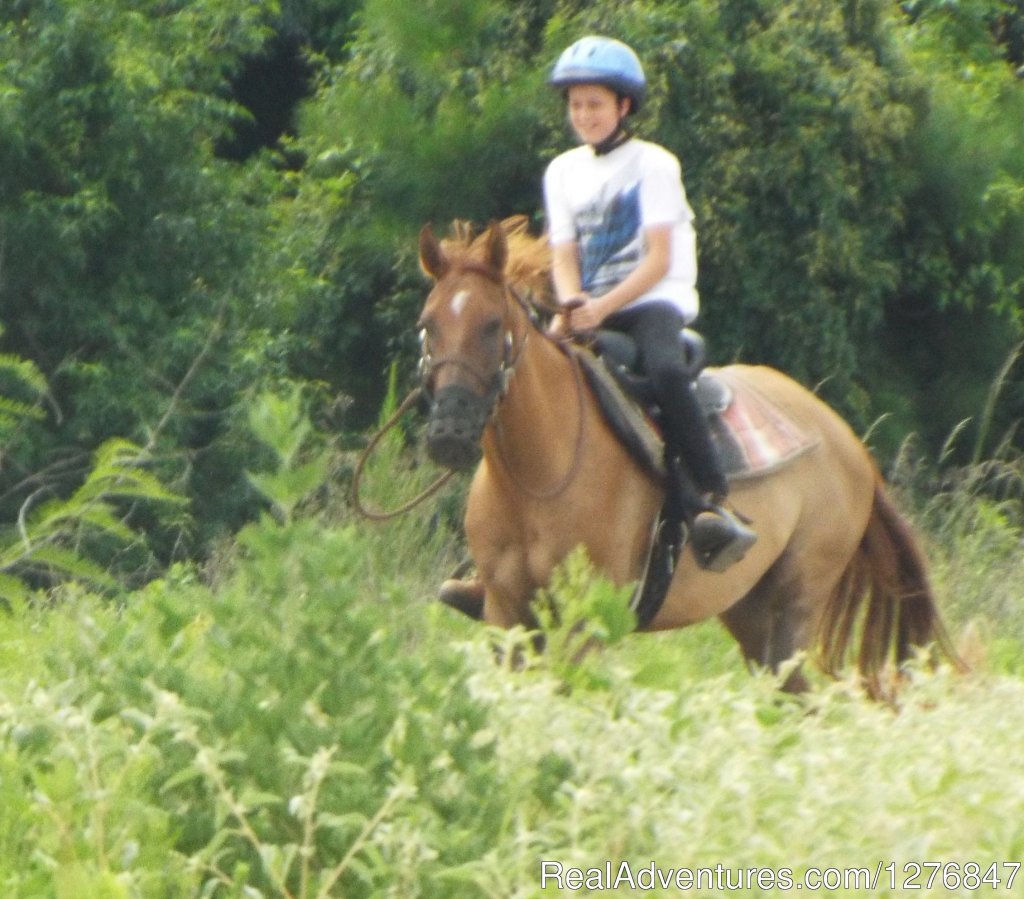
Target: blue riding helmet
602	60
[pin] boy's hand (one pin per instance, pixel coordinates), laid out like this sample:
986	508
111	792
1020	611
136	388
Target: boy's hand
563	324
587	316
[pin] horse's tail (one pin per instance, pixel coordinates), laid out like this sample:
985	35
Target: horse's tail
885	595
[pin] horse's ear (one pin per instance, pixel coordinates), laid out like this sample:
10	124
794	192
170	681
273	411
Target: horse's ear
432	258
497	248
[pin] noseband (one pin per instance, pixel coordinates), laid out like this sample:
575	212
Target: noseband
494	387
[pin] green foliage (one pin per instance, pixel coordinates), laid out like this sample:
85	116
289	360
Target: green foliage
958	312
80	536
580	612
433	90
976	29
322	25
18	376
281	422
62	539
264	736
308	726
129	264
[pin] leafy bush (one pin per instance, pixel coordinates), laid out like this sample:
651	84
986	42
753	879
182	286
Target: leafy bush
310	726
259	736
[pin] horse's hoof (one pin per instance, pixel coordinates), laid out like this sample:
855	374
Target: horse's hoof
464	596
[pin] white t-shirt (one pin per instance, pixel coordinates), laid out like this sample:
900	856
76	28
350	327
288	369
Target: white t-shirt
604	203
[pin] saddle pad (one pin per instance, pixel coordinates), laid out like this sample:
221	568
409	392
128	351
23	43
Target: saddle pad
752	436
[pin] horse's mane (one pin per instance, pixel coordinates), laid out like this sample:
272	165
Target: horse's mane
529	257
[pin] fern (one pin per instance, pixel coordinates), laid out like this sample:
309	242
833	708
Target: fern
62	564
26	376
45	545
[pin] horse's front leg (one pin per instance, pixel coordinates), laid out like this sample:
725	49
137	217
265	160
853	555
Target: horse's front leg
508	591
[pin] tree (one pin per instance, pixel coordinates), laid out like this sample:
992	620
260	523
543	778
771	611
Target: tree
959	310
130	271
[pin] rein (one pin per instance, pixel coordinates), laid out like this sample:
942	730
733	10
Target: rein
574	466
357	475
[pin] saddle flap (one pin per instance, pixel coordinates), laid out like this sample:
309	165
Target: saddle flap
753	436
625	415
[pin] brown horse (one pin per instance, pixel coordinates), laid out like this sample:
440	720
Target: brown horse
834	560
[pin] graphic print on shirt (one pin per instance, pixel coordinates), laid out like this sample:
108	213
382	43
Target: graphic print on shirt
609	240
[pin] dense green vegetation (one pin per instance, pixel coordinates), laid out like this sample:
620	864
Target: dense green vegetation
215	681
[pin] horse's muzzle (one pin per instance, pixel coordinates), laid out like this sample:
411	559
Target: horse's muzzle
457	420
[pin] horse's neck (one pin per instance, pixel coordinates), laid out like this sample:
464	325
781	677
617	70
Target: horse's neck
536	430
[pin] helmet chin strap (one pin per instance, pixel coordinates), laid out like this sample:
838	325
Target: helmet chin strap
617	138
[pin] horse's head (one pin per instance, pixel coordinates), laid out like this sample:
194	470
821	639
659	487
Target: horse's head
467	341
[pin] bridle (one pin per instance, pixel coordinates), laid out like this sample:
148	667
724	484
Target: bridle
496	387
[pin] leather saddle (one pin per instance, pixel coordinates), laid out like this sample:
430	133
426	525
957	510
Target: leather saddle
622	359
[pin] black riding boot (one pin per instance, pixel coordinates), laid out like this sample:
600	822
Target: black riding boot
718	536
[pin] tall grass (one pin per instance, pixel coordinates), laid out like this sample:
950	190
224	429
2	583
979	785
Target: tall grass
972	519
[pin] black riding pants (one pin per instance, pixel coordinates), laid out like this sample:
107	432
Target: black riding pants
655	328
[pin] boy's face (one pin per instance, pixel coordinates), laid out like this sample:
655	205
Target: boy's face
595	111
